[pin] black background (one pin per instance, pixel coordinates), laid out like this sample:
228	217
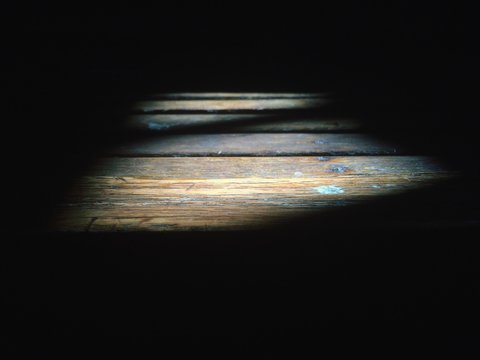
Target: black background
356	286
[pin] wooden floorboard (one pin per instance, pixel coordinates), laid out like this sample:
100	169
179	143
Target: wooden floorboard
257	145
182	194
265	167
229	104
239	123
234	95
237	161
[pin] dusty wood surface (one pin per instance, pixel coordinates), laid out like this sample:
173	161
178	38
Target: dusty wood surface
265	167
235	95
238	123
257	145
236	161
231	193
229	105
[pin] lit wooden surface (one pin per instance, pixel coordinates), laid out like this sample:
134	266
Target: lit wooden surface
262	178
229	104
240	123
256	145
236	95
231	193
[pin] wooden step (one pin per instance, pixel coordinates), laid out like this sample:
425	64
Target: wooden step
178	194
235	95
239	123
229	105
264	167
257	145
237	161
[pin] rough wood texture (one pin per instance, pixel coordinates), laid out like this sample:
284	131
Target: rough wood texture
265	167
235	95
230	193
236	161
257	145
229	105
238	123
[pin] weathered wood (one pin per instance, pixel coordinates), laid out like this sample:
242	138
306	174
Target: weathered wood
238	123
229	105
234	95
264	167
230	193
257	145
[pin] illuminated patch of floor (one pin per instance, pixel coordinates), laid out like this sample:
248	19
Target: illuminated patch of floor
248	178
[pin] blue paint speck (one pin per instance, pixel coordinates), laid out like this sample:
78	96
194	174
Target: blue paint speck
157	126
329	190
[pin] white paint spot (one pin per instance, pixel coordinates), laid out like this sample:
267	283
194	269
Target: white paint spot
298	173
329	190
376	186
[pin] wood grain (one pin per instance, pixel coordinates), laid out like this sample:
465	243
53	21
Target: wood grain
237	123
230	193
235	95
264	167
256	145
229	105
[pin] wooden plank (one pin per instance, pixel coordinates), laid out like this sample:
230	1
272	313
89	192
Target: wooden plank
229	105
184	194
256	145
235	95
264	167
238	123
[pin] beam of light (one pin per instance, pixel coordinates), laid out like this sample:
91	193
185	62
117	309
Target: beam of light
239	180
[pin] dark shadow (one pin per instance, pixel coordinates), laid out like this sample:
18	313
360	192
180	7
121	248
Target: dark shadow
357	280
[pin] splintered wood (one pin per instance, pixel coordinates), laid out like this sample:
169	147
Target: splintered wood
234	181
